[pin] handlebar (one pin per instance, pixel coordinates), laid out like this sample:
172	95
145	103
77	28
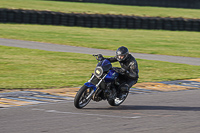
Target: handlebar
99	57
95	55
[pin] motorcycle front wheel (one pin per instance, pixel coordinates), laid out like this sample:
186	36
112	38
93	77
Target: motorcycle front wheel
117	101
80	99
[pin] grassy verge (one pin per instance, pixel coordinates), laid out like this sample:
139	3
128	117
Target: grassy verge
99	8
139	41
26	68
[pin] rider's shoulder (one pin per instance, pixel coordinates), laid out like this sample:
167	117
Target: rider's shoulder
131	58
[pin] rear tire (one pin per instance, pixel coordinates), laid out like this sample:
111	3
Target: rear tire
117	101
80	100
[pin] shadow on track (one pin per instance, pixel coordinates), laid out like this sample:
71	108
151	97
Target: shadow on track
147	107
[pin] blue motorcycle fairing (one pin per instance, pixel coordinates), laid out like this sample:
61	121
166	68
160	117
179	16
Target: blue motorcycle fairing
111	76
105	64
90	85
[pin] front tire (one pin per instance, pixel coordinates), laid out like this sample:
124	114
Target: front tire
117	101
80	100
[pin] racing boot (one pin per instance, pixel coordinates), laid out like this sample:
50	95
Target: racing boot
124	90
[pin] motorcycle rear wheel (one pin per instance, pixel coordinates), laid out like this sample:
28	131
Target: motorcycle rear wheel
80	100
117	101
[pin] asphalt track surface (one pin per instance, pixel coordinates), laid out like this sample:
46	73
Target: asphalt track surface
65	48
156	112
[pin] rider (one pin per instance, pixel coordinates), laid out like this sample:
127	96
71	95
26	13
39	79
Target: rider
128	71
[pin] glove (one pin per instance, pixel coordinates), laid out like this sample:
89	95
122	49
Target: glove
100	57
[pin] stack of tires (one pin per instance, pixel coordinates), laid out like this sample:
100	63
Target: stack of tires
97	20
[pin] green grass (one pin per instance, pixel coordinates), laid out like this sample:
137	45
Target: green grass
176	43
99	8
26	68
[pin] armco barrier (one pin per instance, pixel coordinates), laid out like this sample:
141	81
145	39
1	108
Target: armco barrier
97	20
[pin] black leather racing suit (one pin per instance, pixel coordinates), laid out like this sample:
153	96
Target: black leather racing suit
130	76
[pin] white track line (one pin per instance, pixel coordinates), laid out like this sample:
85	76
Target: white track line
99	115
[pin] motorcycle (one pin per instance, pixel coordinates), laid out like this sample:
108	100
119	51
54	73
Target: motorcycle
104	84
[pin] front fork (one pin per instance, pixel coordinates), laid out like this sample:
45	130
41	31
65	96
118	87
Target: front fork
89	84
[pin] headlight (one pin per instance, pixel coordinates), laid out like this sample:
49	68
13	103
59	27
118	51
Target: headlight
98	71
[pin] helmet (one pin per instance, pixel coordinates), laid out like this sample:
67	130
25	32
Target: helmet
122	53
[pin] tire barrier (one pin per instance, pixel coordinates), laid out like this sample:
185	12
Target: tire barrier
193	4
97	20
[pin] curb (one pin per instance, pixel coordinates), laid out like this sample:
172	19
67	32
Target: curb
164	86
31	97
